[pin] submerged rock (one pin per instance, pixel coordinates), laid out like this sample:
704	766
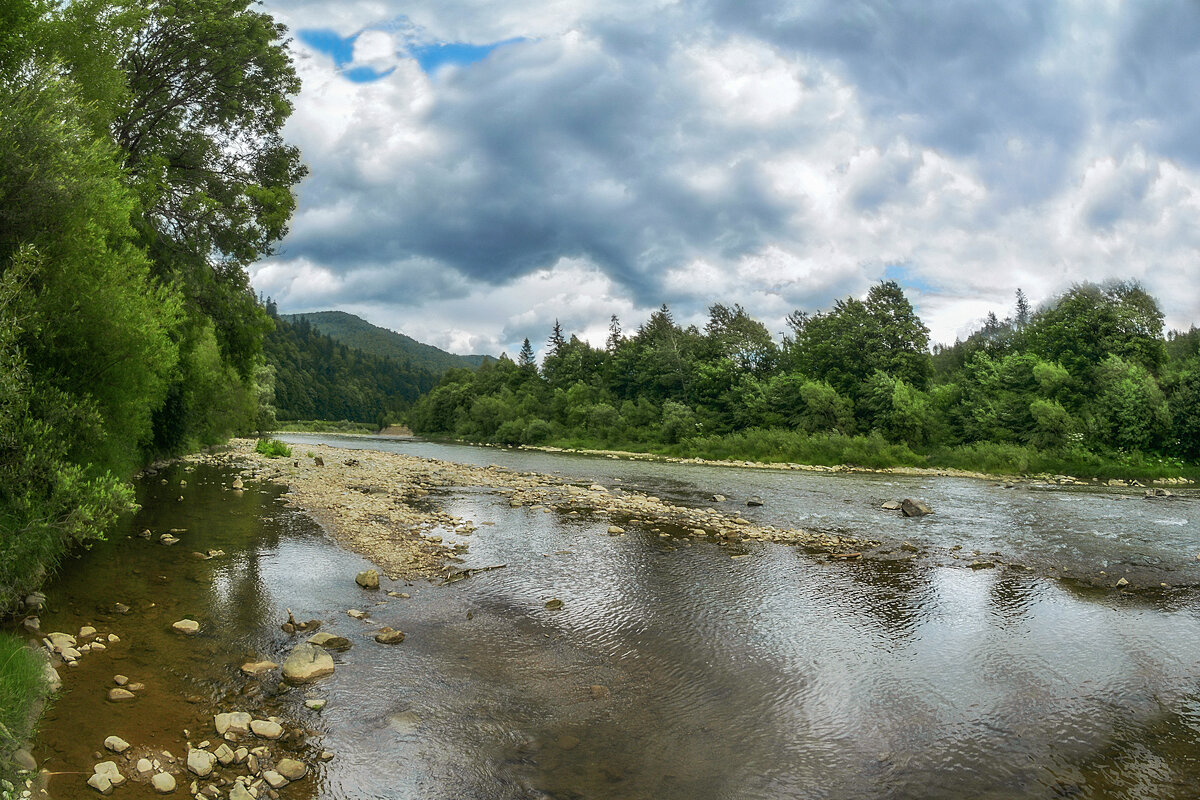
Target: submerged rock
266	729
119	695
368	579
307	662
329	641
389	636
256	668
291	769
554	603
891	505
754	501
188	627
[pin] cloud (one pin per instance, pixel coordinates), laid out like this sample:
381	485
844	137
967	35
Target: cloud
776	154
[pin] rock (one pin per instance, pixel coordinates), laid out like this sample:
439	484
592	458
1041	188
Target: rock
240	755
32	624
320	462
135	687
119	695
615	529
291	769
144	767
354	612
50	676
61	641
109	770
329	641
389	636
307	662
554	603
265	729
163	782
891	505
100	783
368	579
224	754
718	498
326	755
240	792
237	483
909	547
23	760
168	539
754	501
595	487
188	627
201	762
35	601
1122	582
87	632
914	508
256	668
599	692
274	779
314	704
982	564
120	680
567	742
232	722
116	744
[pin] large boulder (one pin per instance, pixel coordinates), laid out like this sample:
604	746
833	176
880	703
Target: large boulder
307	662
914	508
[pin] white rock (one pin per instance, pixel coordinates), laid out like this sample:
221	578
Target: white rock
116	744
240	792
201	762
234	722
274	779
307	662
291	769
265	729
100	783
163	782
144	767
224	754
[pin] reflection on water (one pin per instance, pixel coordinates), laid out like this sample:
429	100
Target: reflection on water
672	671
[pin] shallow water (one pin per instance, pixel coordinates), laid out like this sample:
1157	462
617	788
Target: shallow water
672	670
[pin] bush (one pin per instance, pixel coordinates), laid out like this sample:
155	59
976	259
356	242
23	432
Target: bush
272	448
537	432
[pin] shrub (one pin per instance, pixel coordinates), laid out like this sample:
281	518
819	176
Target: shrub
272	448
21	685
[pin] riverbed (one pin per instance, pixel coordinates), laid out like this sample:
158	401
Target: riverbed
676	667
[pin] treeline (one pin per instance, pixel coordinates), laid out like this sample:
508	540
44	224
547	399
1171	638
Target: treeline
1087	383
141	170
319	378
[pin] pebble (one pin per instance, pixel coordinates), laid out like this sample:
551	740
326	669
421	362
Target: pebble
389	636
274	779
265	729
144	767
188	627
163	782
116	744
291	769
256	668
120	680
120	695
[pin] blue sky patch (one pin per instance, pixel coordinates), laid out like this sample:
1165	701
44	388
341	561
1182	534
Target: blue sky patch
904	276
431	56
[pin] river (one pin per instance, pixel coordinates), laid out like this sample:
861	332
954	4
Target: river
673	670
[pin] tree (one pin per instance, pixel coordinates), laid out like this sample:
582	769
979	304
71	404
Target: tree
556	340
525	357
1088	323
1021	317
614	334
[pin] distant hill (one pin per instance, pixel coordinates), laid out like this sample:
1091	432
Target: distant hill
358	333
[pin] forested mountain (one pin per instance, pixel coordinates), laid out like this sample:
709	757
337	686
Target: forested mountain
1087	383
358	333
142	168
318	378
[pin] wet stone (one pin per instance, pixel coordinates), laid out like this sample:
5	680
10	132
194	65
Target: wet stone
291	769
120	695
265	729
188	627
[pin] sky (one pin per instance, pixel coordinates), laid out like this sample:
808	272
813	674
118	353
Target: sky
480	169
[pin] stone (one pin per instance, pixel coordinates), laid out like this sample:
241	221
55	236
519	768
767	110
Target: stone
240	792
326	755
329	641
914	508
35	601
1122	582
163	782
32	624
135	687
116	744
87	632
119	695
368	579
891	505
909	547
23	760
237	483
61	641
291	769
389	636
201	762
354	612
265	729
718	498
232	722
256	668
109	770
224	754
307	662
754	501
554	603
274	779
982	564
50	676
144	767
615	529
599	692
240	755
314	703
113	638
100	783
188	627
120	680
168	539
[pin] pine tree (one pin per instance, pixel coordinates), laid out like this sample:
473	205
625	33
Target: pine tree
1022	318
615	336
556	341
525	359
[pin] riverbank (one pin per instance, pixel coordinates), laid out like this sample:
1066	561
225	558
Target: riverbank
375	504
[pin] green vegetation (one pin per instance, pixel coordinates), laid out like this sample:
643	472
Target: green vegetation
325	426
273	448
141	170
21	688
362	335
1087	385
316	377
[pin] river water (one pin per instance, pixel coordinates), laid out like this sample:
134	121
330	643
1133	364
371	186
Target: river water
673	670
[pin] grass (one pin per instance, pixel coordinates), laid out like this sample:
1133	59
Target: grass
325	426
272	448
22	685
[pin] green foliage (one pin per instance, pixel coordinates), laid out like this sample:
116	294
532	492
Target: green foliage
273	448
21	686
998	403
359	334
